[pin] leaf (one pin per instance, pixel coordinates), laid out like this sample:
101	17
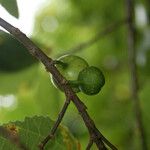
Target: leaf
32	130
13	55
11	7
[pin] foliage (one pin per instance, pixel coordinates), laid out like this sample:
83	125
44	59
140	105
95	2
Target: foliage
59	27
17	56
11	7
32	130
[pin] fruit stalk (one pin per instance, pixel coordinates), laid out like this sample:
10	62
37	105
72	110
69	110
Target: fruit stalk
64	65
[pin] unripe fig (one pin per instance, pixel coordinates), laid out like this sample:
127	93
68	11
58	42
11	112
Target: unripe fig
70	66
91	80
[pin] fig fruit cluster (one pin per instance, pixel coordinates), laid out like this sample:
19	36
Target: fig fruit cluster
81	77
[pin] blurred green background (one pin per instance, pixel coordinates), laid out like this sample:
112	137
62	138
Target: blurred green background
25	86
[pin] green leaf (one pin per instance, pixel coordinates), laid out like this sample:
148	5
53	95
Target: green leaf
32	130
13	55
11	7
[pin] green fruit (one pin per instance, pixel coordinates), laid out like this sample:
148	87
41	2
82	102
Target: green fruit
70	66
91	80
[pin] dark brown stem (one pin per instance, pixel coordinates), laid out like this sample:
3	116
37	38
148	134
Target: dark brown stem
96	134
97	37
14	138
50	67
55	126
133	72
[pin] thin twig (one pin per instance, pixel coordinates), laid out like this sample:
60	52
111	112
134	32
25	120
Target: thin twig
93	131
106	141
89	144
133	72
55	126
14	138
97	37
49	65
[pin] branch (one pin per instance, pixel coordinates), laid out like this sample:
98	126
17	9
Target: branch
133	72
50	67
97	37
55	126
14	138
